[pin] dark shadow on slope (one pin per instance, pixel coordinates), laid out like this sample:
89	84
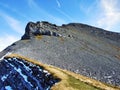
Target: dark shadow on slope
17	74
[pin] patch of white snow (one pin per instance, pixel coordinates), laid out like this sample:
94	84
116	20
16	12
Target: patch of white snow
4	56
8	88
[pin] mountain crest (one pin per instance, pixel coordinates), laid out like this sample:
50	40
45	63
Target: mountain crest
40	28
45	28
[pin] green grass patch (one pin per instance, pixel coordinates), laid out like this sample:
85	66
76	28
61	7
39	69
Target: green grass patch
79	85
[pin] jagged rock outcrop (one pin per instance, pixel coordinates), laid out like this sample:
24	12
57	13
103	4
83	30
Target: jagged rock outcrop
80	48
39	28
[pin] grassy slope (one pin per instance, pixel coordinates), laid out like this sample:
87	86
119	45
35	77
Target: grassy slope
70	80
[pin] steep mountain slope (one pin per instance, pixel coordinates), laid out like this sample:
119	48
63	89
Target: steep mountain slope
80	48
34	75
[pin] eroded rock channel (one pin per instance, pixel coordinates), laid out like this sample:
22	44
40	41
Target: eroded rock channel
18	74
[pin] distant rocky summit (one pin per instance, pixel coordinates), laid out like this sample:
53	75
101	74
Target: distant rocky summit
77	47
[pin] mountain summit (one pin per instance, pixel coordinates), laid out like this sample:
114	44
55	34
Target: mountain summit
45	28
40	28
80	48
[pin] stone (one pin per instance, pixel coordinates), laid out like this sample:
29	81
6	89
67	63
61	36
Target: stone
38	28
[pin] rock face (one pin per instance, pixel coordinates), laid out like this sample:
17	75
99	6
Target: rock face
39	28
45	28
80	48
18	74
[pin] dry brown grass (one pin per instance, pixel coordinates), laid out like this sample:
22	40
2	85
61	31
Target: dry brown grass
61	39
67	77
115	47
38	37
117	56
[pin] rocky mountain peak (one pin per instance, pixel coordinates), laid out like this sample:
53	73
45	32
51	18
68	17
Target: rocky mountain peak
81	48
40	28
45	28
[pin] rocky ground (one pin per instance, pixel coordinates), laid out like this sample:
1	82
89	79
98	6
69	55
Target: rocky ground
80	48
18	74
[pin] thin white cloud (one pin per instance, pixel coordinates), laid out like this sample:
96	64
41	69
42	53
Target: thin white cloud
32	4
7	40
13	10
87	9
66	15
13	23
58	3
110	15
57	20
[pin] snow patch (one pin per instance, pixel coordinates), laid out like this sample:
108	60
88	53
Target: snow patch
27	68
20	72
45	71
5	55
8	88
4	78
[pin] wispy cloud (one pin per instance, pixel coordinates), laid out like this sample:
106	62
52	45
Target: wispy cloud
6	6
66	15
87	9
7	40
58	3
110	15
13	23
32	4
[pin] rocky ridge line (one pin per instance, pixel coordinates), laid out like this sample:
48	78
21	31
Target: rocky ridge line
45	28
39	28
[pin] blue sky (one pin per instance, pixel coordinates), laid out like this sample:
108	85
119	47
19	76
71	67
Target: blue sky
15	14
